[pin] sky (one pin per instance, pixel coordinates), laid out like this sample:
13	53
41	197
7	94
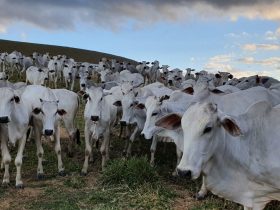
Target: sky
238	36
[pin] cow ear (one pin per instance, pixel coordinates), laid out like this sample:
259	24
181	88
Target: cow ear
140	106
217	91
17	100
171	121
61	112
231	126
85	96
117	103
81	92
188	90
36	110
217	76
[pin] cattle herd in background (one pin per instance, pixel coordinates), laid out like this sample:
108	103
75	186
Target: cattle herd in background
224	128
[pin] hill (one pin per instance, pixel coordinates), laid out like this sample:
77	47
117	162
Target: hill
77	54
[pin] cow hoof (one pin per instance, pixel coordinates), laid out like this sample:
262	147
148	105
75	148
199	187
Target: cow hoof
200	197
5	184
70	154
44	161
61	173
83	173
19	186
40	176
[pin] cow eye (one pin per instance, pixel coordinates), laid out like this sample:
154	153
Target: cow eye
154	114
101	98
12	99
131	105
207	130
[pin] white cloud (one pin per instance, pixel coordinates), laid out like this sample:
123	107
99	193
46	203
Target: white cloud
273	36
23	36
255	47
61	15
3	28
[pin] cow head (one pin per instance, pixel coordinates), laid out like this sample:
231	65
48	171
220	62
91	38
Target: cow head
3	76
49	113
95	103
7	103
201	125
153	112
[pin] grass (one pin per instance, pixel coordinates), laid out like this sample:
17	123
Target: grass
132	172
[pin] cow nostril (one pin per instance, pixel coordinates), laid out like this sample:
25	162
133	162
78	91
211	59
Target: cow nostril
83	85
94	118
48	132
4	119
185	173
123	123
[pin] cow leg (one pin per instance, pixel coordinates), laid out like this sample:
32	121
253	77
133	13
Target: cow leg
18	161
131	140
29	133
203	190
153	150
72	85
179	157
6	159
71	131
40	152
259	206
104	149
55	82
88	150
58	151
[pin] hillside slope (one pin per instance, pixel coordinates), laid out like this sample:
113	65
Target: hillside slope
77	54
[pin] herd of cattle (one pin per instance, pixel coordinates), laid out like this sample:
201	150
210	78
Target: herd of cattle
225	129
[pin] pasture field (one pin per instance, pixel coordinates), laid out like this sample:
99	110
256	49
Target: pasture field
125	184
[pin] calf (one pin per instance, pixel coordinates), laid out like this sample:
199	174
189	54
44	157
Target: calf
100	115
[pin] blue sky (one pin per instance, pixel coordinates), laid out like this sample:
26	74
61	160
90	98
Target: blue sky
211	36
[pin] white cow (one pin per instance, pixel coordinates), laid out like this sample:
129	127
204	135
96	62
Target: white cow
14	120
100	115
70	73
48	107
36	75
237	155
12	60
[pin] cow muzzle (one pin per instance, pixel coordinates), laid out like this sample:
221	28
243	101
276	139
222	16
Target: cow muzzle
123	123
94	118
48	132
185	174
4	119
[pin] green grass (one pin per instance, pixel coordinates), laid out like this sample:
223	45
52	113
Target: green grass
132	172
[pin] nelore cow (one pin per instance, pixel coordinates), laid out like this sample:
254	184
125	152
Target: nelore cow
100	115
237	154
48	107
